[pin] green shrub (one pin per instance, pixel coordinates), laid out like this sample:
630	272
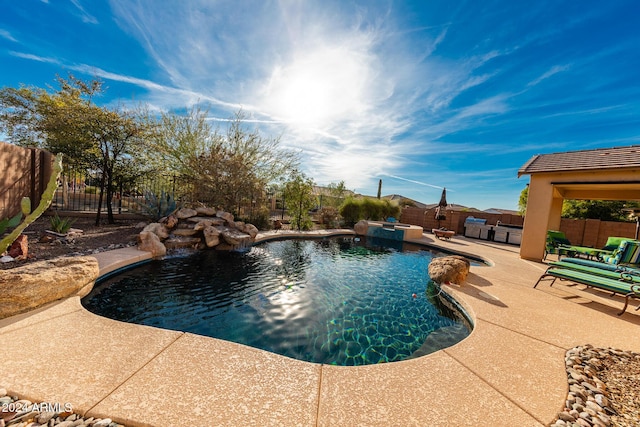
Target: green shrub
90	190
61	225
351	211
354	210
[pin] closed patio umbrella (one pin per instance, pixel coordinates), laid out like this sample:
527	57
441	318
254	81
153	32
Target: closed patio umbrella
441	212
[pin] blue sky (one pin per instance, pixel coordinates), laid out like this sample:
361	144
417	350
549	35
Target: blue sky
421	94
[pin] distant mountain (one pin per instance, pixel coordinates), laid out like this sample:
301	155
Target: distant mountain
501	211
398	198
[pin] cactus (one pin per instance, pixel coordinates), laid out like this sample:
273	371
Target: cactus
25	205
10	222
158	206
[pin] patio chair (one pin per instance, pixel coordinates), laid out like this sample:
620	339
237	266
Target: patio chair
625	257
599	269
623	284
557	243
593	253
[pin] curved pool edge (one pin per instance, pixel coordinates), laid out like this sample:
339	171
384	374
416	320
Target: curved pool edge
126	371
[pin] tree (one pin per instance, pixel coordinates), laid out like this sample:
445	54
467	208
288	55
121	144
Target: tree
522	201
605	210
231	170
300	200
68	121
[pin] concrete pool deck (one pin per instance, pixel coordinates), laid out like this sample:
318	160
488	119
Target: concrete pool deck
509	371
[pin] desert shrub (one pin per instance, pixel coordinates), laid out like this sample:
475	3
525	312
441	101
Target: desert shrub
329	216
260	218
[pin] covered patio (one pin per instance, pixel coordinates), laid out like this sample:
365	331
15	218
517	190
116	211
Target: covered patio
600	174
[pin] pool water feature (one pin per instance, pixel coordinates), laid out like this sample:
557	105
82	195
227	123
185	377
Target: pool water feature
341	300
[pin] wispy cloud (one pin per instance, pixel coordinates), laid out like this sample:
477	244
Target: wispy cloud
7	35
86	17
554	70
413	181
34	57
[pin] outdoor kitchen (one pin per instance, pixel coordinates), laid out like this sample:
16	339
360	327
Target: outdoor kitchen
477	228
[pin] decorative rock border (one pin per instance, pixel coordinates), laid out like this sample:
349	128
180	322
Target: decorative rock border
593	399
15	412
198	228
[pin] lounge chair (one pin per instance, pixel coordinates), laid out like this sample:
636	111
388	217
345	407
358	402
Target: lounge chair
621	285
626	255
599	269
593	253
557	243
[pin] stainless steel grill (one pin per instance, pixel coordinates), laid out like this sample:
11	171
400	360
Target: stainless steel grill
477	228
507	233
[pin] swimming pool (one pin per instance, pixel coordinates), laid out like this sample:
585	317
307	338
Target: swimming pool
340	300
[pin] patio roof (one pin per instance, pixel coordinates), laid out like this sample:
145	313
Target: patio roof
598	159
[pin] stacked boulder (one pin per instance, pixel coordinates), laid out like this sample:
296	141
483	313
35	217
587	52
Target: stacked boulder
198	228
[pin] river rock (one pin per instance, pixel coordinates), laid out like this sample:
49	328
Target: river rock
29	286
449	269
150	242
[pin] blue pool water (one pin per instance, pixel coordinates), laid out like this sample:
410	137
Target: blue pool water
339	301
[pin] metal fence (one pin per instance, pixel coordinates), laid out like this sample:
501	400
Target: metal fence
79	190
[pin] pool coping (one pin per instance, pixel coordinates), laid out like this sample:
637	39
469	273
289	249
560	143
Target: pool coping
510	370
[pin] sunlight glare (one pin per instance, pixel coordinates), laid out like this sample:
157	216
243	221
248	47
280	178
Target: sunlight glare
319	87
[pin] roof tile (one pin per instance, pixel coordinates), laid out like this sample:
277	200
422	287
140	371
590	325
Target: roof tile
601	158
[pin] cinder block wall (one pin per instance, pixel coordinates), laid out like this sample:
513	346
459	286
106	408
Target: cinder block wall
426	218
589	232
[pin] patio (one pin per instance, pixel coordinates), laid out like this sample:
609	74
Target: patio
509	371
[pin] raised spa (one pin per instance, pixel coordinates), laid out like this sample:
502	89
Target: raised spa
339	300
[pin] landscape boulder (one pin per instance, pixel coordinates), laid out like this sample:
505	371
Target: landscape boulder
211	236
227	216
361	227
234	237
198	228
449	269
19	249
205	211
158	229
170	222
37	283
150	242
185	213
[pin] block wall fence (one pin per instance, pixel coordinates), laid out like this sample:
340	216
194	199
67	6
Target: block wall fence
24	172
582	232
